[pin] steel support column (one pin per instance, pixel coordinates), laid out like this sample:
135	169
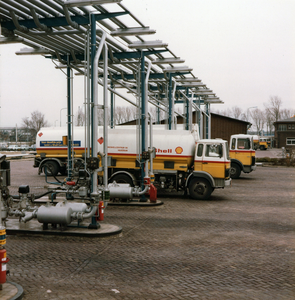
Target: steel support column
158	114
112	106
170	117
69	110
187	111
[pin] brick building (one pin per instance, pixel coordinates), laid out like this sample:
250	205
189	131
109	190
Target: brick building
223	127
285	133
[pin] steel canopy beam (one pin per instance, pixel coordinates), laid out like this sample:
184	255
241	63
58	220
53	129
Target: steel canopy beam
59	21
132	31
169	60
78	3
152	76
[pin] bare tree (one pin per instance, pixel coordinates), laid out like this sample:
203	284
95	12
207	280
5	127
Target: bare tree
269	122
236	112
273	107
35	123
258	118
287	113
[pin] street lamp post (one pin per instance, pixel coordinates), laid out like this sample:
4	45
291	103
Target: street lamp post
248	111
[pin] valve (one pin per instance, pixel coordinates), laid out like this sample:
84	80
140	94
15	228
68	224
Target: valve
99	215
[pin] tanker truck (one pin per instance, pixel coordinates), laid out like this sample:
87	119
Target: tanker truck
242	154
181	162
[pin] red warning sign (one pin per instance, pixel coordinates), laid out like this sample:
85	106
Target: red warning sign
100	140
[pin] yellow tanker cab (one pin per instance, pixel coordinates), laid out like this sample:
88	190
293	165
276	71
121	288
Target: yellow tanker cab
264	143
211	168
242	154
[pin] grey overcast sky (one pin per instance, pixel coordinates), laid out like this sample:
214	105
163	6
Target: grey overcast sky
244	50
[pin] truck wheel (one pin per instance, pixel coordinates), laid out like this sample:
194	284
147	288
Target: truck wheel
52	168
122	178
200	189
261	147
235	171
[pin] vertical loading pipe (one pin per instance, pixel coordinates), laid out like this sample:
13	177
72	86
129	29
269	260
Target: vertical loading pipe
209	122
190	109
95	107
143	132
146	111
172	105
106	114
151	146
70	157
88	108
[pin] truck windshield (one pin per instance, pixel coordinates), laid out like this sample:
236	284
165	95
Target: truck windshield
214	150
244	144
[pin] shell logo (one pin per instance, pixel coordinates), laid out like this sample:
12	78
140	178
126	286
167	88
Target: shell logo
178	150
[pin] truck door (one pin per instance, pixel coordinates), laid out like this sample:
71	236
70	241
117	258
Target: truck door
212	159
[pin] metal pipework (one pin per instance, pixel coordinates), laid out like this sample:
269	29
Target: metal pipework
84	215
29	216
55	215
76	207
72	23
37	22
63	213
125	191
16	23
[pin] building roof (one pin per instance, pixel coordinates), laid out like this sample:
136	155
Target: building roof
230	118
289	120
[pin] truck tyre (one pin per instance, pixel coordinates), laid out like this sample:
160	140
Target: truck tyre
261	147
122	178
52	168
235	171
200	189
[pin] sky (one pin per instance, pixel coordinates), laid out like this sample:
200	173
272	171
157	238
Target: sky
243	50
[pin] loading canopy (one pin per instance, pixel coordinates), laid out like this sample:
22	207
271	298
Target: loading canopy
58	30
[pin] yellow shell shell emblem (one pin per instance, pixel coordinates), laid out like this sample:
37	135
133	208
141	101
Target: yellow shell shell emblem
178	150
